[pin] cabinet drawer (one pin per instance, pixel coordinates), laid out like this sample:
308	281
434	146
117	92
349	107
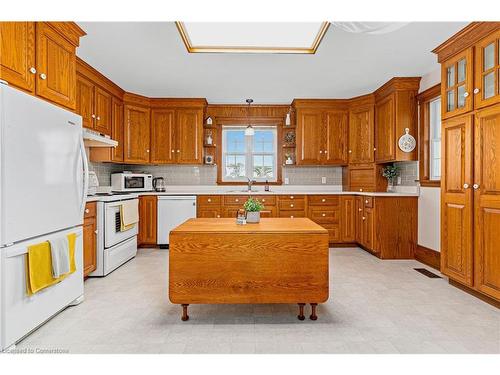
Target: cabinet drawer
333	232
292	197
268	212
235	200
299	204
209	200
324	216
368	202
90	210
292	213
209	212
266	200
323	200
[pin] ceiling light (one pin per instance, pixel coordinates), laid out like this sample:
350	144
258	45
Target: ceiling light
252	37
249	130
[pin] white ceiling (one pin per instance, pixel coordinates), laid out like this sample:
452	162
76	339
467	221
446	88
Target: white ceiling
149	58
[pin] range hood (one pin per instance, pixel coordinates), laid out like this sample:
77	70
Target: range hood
95	139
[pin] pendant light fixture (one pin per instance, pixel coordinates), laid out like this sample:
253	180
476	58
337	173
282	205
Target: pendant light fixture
249	130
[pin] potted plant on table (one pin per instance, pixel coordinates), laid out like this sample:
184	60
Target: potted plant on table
390	172
253	207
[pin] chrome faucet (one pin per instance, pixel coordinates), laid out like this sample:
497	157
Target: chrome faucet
249	184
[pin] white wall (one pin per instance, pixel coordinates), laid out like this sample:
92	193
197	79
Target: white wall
429	211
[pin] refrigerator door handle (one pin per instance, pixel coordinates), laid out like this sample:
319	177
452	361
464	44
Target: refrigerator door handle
85	176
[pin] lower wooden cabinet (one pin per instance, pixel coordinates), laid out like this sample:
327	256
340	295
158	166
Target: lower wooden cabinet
347	218
148	212
208	206
90	238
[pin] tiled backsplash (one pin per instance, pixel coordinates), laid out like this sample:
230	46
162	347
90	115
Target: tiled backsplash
207	174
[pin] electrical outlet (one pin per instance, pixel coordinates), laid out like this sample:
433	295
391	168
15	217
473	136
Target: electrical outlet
323	180
287	181
399	180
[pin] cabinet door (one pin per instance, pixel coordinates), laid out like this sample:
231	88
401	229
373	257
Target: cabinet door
335	151
347	219
456	87
117	129
369	229
103	108
487	201
162	136
361	135
487	71
359	219
209	213
456	199
385	135
89	245
136	134
147	220
17	54
56	67
85	101
188	134
309	138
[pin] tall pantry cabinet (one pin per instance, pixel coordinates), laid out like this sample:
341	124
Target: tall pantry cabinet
470	182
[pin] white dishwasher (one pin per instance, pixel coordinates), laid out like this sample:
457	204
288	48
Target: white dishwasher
173	210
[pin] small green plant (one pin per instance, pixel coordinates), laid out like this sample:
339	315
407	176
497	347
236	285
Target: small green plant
253	205
390	172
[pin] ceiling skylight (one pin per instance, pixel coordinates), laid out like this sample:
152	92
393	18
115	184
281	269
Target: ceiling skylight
252	37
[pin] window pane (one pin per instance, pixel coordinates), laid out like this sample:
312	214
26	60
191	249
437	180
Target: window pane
263	141
263	166
489	85
450	99
435	139
235	141
461	97
461	70
450	72
489	56
235	166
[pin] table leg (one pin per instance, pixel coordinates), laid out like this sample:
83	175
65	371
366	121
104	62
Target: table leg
301	311
185	315
313	312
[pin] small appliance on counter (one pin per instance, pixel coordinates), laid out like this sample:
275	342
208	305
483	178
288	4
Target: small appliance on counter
130	182
159	184
93	183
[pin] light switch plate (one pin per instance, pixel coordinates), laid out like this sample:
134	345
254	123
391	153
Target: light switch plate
323	180
287	181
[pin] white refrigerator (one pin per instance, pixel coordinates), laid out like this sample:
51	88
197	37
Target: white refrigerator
43	186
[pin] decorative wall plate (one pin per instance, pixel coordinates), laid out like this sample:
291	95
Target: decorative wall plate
407	142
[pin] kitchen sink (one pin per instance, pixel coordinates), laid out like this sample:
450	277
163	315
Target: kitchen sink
249	192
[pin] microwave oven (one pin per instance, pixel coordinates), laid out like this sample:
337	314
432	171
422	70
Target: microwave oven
123	182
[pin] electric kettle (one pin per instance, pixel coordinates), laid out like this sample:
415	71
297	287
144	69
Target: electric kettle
159	184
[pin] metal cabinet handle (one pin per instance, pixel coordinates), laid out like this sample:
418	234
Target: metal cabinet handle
147	150
475	186
320	151
236	200
209	200
466	94
291	196
291	217
178	150
350	151
323	200
323	215
43	76
366	201
87	210
374	149
263	200
364	218
466	186
218	216
98	118
93	116
359	209
291	205
360	189
173	150
96	231
476	91
326	152
32	70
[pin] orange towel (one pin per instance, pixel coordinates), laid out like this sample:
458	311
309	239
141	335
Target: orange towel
39	265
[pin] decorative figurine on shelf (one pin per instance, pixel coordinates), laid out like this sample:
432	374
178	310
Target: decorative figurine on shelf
290	138
209	140
390	172
287	119
209	120
253	207
209	159
241	217
288	160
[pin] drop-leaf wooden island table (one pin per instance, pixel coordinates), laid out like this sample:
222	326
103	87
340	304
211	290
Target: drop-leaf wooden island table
279	260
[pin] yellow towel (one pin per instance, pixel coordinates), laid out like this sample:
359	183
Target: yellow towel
39	265
129	214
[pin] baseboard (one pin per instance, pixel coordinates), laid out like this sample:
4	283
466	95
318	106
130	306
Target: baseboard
475	293
343	244
427	256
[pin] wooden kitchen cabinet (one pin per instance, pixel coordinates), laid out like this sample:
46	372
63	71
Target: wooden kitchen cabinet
17	54
103	109
325	211
136	131
95	105
365	178
487	71
90	239
486	190
209	206
148	212
321	135
117	129
189	136
85	101
361	135
162	136
456	199
347	218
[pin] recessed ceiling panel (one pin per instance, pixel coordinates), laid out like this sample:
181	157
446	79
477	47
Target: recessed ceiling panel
252	37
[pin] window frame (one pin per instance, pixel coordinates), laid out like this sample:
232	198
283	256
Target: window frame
250	153
424	99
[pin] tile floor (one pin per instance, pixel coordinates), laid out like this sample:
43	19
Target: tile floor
374	307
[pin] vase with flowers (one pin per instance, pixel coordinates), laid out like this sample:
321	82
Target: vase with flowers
390	172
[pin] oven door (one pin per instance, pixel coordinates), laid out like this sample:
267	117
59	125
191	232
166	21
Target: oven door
112	225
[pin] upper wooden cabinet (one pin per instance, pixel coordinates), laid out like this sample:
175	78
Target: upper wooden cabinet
321	135
17	54
395	113
136	131
85	101
39	57
117	129
162	136
189	136
361	134
487	71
